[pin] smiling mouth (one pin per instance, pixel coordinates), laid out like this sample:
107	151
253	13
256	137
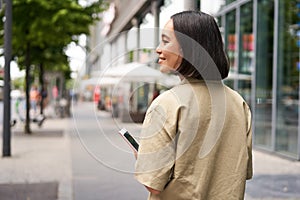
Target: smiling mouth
160	60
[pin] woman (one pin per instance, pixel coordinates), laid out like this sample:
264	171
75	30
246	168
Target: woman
196	138
34	98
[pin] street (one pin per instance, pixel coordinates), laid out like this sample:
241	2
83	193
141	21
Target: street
102	163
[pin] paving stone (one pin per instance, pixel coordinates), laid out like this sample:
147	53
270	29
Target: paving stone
29	191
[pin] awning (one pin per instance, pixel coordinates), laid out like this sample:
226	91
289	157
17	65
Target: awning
101	81
134	72
131	72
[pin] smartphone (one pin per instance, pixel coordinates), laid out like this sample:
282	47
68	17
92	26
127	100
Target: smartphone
130	139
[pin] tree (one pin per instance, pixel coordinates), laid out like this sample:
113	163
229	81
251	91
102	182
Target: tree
41	31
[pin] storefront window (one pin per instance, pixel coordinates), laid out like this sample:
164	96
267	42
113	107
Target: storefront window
246	52
230	40
287	78
264	73
229	1
228	81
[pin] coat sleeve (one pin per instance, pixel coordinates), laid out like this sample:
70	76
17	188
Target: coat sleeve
157	150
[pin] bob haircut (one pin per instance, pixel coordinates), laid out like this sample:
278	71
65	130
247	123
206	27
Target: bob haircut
201	43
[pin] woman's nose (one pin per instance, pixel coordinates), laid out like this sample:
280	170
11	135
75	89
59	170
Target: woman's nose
158	49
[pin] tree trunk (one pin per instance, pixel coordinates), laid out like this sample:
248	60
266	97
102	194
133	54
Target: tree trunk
42	88
27	129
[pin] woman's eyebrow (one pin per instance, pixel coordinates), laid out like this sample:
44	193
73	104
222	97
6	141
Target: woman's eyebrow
165	36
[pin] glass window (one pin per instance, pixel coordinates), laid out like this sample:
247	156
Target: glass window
228	81
287	78
246	51
230	39
219	22
139	97
229	1
264	73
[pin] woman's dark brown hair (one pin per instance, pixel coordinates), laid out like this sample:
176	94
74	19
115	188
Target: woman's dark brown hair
203	52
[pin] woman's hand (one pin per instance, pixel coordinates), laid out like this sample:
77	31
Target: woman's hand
153	191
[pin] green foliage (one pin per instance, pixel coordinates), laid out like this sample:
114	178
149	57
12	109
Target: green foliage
18	83
43	29
70	84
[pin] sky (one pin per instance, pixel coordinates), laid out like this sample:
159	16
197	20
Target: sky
14	69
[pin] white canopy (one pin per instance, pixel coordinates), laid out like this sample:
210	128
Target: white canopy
133	72
102	81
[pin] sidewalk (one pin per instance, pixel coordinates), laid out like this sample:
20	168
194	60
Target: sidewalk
275	178
40	163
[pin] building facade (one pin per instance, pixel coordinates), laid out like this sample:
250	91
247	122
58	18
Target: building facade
119	41
262	41
129	31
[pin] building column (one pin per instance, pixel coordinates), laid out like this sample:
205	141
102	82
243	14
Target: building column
191	5
136	23
111	53
155	9
126	59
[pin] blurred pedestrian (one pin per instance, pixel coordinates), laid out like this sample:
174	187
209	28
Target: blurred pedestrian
55	93
196	139
73	96
34	99
44	99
